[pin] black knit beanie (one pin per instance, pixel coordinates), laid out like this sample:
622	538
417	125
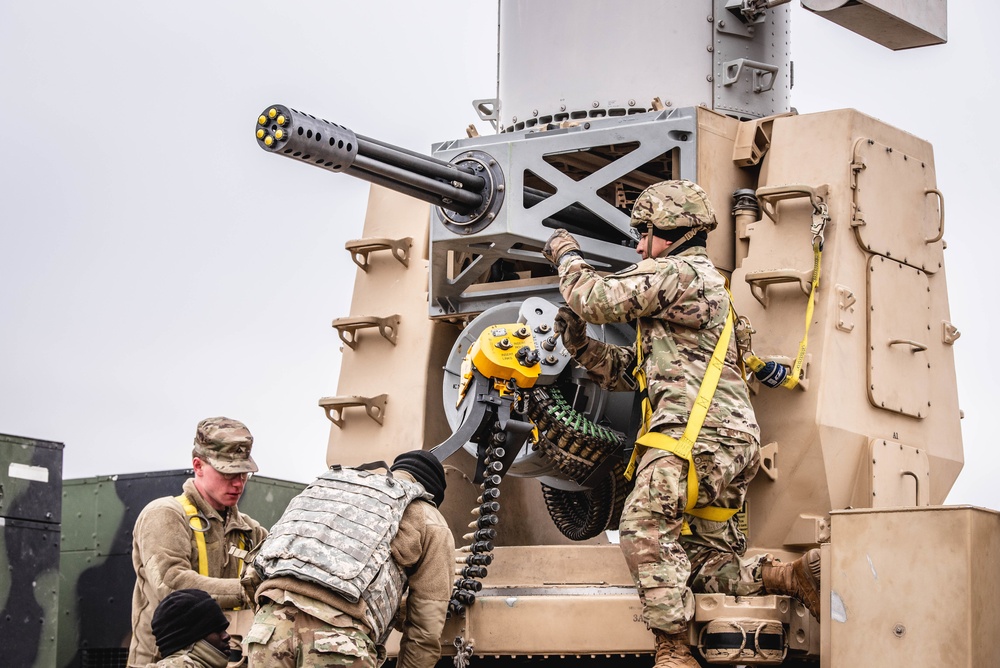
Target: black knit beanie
425	469
184	617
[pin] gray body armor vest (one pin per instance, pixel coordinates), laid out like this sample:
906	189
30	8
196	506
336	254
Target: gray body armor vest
337	532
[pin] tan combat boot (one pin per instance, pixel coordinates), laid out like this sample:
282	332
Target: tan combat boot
672	651
799	579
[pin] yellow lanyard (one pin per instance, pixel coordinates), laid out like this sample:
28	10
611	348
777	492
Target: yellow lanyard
684	446
756	364
199	534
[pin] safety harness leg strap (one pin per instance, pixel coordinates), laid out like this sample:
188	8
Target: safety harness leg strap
684	446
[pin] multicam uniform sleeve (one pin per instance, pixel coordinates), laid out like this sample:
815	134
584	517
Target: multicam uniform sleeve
642	290
425	548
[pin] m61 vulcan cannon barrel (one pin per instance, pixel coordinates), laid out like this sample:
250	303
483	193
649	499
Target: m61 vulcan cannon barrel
468	188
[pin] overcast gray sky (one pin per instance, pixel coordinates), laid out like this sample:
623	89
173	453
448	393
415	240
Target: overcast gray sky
157	267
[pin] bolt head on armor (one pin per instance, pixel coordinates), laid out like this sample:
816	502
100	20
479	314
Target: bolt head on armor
225	445
669	205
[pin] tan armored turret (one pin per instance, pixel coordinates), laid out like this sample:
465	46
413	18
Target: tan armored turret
831	227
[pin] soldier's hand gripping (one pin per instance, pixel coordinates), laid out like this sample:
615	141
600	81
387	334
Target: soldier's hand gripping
573	330
560	243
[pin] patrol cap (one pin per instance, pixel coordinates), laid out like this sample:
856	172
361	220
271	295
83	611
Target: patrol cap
225	444
669	205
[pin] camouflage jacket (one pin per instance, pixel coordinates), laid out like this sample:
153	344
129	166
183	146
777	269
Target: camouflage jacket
165	558
425	549
198	655
680	305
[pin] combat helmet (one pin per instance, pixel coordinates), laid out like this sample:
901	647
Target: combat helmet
672	205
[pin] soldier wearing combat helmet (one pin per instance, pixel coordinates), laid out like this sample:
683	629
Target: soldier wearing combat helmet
198	539
678	533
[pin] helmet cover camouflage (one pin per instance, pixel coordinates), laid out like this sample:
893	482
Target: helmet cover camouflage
225	444
668	205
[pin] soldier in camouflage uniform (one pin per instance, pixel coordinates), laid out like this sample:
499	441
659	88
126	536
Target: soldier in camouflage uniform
166	550
679	303
190	631
329	595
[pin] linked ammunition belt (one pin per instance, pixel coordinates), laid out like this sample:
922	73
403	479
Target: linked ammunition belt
578	447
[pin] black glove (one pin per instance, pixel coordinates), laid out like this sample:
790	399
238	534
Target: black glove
560	243
573	330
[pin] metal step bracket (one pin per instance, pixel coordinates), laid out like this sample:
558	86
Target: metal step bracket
347	328
334	407
759	280
360	248
771	195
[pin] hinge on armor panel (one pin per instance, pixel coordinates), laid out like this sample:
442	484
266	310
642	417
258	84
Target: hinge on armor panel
360	248
347	328
334	407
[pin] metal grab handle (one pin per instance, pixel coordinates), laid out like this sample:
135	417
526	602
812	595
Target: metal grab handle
940	196
769	196
916	482
334	407
733	69
360	248
915	346
759	280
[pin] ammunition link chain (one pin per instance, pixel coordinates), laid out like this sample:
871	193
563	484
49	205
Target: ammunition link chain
574	443
577	446
480	547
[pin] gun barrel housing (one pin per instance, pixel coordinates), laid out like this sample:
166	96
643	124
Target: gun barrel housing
465	189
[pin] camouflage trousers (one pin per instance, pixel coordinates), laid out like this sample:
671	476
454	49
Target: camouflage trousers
284	636
667	567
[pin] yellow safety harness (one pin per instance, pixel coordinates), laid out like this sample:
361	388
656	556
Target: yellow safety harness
199	535
683	447
792	379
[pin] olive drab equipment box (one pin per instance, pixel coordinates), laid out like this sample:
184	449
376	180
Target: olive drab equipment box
30	498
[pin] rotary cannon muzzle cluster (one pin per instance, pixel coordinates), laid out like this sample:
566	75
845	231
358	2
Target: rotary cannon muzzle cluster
469	191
